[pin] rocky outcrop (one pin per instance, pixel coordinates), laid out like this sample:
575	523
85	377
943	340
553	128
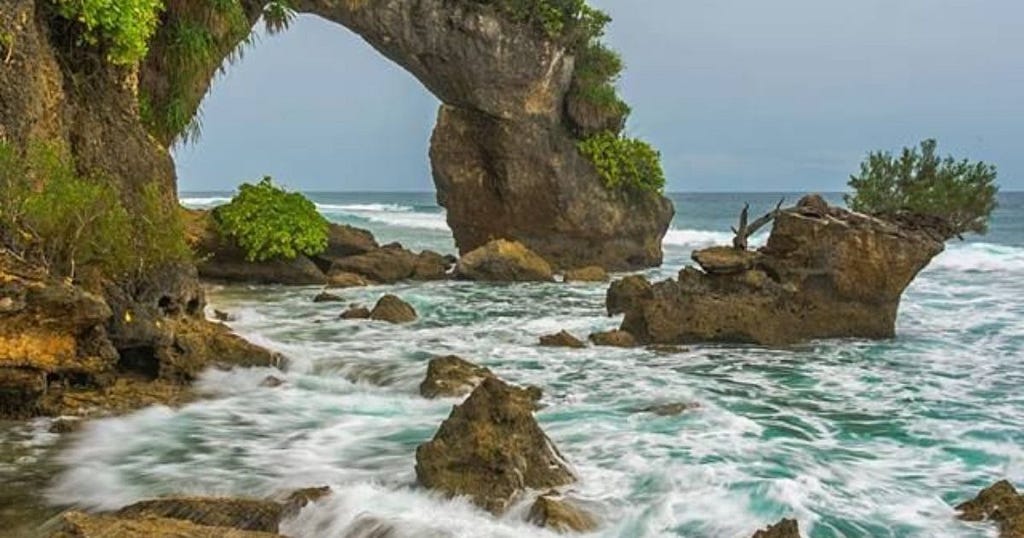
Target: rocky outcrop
68	351
356	312
1000	503
491	449
243	514
503	261
561	339
787	528
616	338
552	511
824	273
200	517
352	258
81	525
452	377
587	274
393	310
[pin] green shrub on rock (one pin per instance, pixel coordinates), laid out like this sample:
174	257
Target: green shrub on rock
269	222
64	221
961	193
122	27
624	163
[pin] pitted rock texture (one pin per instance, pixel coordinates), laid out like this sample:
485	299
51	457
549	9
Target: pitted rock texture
491	449
823	274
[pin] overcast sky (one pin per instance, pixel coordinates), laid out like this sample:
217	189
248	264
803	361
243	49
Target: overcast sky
739	95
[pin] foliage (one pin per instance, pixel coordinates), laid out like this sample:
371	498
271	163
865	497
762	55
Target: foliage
65	221
624	163
122	27
597	71
269	222
962	193
570	20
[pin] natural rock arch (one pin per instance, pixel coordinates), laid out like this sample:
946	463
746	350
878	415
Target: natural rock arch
504	163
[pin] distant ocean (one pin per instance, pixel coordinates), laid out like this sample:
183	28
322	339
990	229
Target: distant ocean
854	438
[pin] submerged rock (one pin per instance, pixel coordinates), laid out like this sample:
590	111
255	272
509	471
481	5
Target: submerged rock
1000	503
669	409
587	274
504	261
490	448
615	338
325	297
356	312
393	310
561	339
787	528
271	382
295	501
560	515
825	273
452	377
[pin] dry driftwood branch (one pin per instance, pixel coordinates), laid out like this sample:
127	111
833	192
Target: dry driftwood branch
745	229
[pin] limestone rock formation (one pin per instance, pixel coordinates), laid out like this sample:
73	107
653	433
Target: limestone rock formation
616	338
587	274
393	310
1000	503
561	339
81	525
787	528
452	377
625	293
491	449
824	273
504	261
552	511
242	514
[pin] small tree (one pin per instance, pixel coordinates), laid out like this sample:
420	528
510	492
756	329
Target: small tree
961	193
269	222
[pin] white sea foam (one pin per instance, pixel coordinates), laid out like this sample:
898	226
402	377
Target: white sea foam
981	257
364	208
706	238
397	215
204	202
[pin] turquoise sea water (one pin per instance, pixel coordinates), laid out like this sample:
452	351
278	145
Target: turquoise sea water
852	437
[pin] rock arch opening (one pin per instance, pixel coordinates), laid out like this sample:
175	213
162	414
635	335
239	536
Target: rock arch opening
503	157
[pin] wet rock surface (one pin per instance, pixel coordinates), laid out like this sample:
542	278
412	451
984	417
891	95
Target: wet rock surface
356	312
345	279
999	503
587	274
787	528
81	525
561	339
558	514
824	273
491	449
451	377
668	409
392	309
242	514
504	261
616	338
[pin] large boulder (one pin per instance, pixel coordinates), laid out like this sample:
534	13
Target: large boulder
787	528
452	377
393	310
561	339
824	273
491	449
393	263
504	261
1000	503
344	240
558	514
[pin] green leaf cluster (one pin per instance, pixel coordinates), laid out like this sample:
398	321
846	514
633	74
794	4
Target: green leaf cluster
271	223
962	193
570	20
624	163
65	221
122	27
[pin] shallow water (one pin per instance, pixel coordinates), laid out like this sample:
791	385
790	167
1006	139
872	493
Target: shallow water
853	438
